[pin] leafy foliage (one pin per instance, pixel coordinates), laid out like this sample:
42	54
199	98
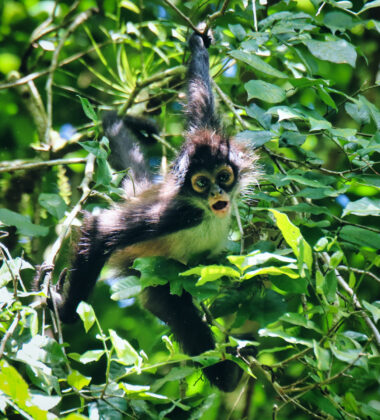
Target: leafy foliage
298	80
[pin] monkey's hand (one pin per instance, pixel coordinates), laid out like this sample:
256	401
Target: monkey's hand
200	41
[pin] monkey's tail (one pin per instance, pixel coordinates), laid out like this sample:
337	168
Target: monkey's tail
128	136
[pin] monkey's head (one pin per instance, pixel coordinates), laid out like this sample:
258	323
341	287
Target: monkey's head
212	169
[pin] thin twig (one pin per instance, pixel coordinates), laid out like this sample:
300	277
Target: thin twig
183	16
28	166
357	270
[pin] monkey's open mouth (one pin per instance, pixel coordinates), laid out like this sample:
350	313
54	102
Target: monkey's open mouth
220	205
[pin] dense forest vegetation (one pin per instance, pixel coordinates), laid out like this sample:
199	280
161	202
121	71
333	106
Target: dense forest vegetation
300	278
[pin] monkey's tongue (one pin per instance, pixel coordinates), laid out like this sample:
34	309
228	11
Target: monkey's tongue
220	205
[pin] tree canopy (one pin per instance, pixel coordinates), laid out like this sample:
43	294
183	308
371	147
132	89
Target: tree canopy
299	281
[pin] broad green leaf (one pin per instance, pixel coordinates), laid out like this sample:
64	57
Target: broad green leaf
22	223
273	271
257	258
373	110
13	384
363	207
87	315
360	236
125	288
338	21
125	352
54	204
374	308
87	357
211	273
350	356
130	5
329	286
358	111
257	63
77	380
335	51
293	237
175	374
256	138
157	270
266	332
301	320
264	91
322	356
288	284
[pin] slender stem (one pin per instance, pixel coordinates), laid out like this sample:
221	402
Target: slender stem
27	166
183	16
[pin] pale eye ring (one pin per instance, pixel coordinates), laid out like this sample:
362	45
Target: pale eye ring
200	183
226	176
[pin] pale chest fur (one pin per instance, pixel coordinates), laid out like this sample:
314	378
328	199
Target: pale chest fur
208	237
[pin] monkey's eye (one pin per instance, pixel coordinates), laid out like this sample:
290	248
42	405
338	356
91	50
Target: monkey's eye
200	183
225	176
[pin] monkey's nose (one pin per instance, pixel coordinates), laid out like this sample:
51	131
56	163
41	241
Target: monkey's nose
215	190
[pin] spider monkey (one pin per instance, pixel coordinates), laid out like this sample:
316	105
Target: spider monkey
186	214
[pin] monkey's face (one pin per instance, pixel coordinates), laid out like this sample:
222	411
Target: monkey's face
215	187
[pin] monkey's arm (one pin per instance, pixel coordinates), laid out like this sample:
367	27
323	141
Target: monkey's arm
113	230
200	109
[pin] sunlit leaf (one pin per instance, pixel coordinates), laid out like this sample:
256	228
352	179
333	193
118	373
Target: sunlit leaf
87	315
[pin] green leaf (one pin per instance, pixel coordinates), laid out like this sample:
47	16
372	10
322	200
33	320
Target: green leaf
103	174
256	258
350	356
373	308
363	207
87	357
87	315
125	352
266	332
126	288
130	6
88	109
273	271
22	223
54	204
77	380
293	237
369	5
256	138
336	258
157	271
288	284
301	320
329	286
257	63
360	236
322	356
264	91
334	51
211	273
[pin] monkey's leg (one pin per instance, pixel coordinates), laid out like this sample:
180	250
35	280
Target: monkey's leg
192	333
